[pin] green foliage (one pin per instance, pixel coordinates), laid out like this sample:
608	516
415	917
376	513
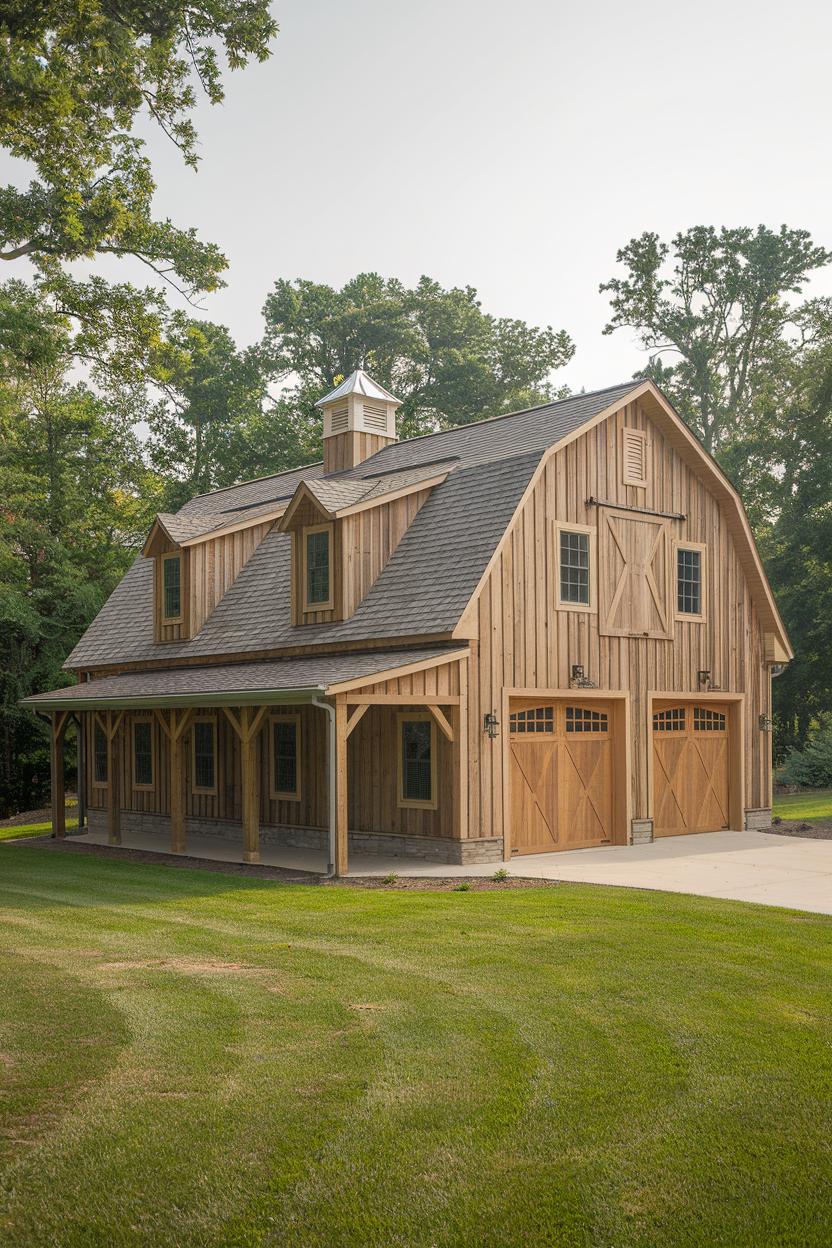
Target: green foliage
811	767
500	874
715	302
436	349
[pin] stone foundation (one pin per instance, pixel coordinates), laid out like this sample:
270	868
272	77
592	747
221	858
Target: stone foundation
426	848
758	819
641	831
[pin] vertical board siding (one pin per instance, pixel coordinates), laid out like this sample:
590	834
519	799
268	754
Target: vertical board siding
525	642
213	567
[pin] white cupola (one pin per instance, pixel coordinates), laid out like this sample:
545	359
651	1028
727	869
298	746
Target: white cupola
359	419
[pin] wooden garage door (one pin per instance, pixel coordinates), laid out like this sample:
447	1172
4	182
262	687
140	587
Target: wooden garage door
561	775
690	769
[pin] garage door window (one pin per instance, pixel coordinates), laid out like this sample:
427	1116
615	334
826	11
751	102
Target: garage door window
672	720
533	719
580	719
706	720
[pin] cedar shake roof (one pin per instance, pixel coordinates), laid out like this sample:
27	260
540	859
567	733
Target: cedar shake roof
218	684
424	587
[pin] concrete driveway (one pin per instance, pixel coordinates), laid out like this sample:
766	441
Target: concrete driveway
743	866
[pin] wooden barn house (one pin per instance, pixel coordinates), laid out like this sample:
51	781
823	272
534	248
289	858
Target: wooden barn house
543	631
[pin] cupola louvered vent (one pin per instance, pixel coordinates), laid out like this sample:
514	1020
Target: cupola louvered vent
338	418
375	417
634	457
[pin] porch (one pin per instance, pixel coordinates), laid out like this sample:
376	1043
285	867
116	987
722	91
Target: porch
256	762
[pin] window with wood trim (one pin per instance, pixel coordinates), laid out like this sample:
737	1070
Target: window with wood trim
582	719
100	760
204	755
575	557
317	567
690	581
634	457
171	589
284	758
671	720
706	720
534	719
143	754
417	760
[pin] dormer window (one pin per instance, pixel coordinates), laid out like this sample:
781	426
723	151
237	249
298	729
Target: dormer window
171	589
317	568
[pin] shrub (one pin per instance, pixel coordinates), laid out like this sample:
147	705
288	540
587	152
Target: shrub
500	874
811	767
463	887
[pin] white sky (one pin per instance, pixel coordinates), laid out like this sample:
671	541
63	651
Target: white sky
512	147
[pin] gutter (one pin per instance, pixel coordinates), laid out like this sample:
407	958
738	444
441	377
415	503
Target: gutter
238	697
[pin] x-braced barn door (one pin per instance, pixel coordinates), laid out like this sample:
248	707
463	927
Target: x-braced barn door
561	775
634	575
690	769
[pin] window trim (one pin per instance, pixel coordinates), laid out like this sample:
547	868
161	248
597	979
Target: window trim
306	530
626	478
412	803
690	617
274	794
96	783
561	604
163	559
151	787
199	789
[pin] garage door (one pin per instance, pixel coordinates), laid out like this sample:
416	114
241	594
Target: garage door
561	775
690	769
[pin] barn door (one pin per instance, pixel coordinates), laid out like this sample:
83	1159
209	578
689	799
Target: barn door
561	776
634	575
690	769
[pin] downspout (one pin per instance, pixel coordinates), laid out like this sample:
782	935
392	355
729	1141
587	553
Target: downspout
331	773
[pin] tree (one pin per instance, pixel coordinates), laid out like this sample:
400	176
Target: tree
75	81
212	394
436	349
720	312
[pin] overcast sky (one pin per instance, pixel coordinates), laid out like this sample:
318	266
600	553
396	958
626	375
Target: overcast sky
513	147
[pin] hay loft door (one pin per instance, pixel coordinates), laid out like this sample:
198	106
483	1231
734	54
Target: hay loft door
634	575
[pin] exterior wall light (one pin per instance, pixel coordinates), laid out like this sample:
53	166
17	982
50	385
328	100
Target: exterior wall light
490	724
580	680
577	672
765	723
704	678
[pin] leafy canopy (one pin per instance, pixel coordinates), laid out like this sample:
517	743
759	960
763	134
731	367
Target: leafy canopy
715	302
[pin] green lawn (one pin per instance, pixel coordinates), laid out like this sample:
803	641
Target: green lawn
816	804
13	832
196	1059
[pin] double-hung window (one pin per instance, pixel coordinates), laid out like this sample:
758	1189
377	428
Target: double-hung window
284	758
417	760
690	581
317	568
143	754
171	589
204	755
575	557
100	768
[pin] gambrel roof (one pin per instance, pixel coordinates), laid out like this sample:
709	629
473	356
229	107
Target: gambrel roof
482	472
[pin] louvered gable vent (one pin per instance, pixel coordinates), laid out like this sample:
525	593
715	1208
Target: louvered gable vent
375	417
338	418
634	457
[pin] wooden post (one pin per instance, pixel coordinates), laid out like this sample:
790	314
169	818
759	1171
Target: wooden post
113	723
247	728
461	768
56	759
175	732
341	803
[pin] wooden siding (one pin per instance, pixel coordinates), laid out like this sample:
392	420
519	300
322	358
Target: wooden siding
369	538
345	450
215	565
525	641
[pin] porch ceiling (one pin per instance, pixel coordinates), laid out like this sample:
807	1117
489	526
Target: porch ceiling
272	681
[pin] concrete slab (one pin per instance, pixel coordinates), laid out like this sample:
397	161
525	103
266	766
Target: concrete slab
742	866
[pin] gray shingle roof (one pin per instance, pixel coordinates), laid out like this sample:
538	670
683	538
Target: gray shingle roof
425	586
223	682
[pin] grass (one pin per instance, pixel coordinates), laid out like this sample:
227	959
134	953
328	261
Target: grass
11	832
190	1060
816	804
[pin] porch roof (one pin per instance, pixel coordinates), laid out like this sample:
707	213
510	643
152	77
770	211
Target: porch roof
234	684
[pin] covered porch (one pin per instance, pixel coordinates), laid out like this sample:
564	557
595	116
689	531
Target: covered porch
292	762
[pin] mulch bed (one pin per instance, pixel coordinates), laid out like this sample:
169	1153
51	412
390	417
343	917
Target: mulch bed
818	830
429	883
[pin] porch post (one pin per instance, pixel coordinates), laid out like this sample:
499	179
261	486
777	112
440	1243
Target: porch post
251	787
113	726
56	760
460	756
341	788
81	777
175	730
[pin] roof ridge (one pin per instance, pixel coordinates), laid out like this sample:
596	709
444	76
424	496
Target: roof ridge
267	476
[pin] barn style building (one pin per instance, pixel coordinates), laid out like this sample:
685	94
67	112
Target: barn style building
544	631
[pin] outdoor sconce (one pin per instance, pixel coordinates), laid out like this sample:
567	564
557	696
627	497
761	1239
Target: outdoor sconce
490	724
765	722
704	678
580	680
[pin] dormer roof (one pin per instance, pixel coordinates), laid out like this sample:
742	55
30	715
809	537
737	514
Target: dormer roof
358	383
